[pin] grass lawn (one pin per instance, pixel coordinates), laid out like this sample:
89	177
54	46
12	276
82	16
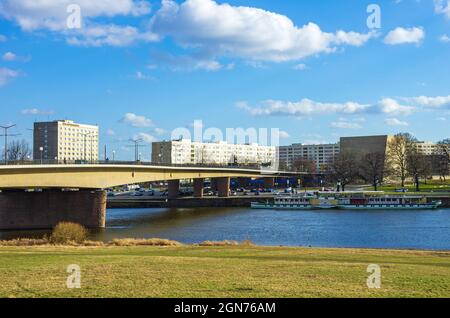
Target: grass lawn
430	186
190	271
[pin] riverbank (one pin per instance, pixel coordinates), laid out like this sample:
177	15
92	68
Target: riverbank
193	271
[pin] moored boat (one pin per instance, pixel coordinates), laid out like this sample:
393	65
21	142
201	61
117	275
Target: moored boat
353	201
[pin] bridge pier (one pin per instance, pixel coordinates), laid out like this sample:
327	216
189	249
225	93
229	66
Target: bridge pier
223	187
174	189
198	188
20	210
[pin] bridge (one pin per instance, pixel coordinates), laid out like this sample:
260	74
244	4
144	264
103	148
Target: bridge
40	196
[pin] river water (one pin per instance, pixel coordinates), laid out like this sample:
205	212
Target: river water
427	229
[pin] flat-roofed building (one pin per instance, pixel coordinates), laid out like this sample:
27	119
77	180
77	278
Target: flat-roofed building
65	141
427	148
322	155
185	151
365	144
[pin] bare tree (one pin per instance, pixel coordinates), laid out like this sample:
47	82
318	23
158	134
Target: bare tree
19	150
344	169
371	168
397	155
443	158
417	164
304	165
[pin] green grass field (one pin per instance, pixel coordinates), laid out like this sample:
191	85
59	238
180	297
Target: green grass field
190	271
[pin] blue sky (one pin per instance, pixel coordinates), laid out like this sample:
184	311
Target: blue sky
313	69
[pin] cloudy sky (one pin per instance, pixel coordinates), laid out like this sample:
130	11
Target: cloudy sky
315	70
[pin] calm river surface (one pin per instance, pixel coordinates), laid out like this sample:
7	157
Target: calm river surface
373	229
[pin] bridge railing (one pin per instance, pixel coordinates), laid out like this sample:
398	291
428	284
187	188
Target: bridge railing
116	162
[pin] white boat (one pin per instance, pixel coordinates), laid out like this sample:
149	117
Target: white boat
345	201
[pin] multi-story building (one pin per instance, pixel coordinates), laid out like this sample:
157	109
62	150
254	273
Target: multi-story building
321	155
427	148
185	151
65	141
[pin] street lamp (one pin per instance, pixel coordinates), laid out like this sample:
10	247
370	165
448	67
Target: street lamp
41	149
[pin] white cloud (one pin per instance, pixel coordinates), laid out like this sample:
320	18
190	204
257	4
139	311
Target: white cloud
145	137
427	101
141	76
444	38
345	125
36	111
189	63
403	36
113	35
245	32
282	134
302	108
442	7
33	15
6	75
300	67
307	107
136	120
9	56
391	106
159	131
51	15
395	122
12	57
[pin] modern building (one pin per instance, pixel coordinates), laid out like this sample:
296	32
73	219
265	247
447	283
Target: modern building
65	141
322	155
365	144
185	151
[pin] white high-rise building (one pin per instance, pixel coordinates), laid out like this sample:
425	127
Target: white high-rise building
65	141
321	155
213	153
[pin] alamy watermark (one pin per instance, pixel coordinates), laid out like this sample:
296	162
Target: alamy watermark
374	19
74	279
261	137
74	19
374	279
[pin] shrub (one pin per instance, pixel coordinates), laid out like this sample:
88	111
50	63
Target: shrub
222	243
24	242
247	243
144	242
68	233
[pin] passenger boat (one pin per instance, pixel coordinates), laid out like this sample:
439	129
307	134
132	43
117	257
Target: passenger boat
303	201
389	202
354	201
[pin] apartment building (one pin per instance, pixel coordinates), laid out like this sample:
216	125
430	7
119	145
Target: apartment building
65	141
185	151
322	155
427	148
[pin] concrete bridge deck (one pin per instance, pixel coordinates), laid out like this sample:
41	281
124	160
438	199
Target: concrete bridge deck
102	176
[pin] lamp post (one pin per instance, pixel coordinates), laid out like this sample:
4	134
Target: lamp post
6	141
41	149
85	135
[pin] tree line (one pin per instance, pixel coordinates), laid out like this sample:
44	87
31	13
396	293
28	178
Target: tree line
402	160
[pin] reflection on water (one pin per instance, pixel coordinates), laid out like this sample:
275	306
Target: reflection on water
374	229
